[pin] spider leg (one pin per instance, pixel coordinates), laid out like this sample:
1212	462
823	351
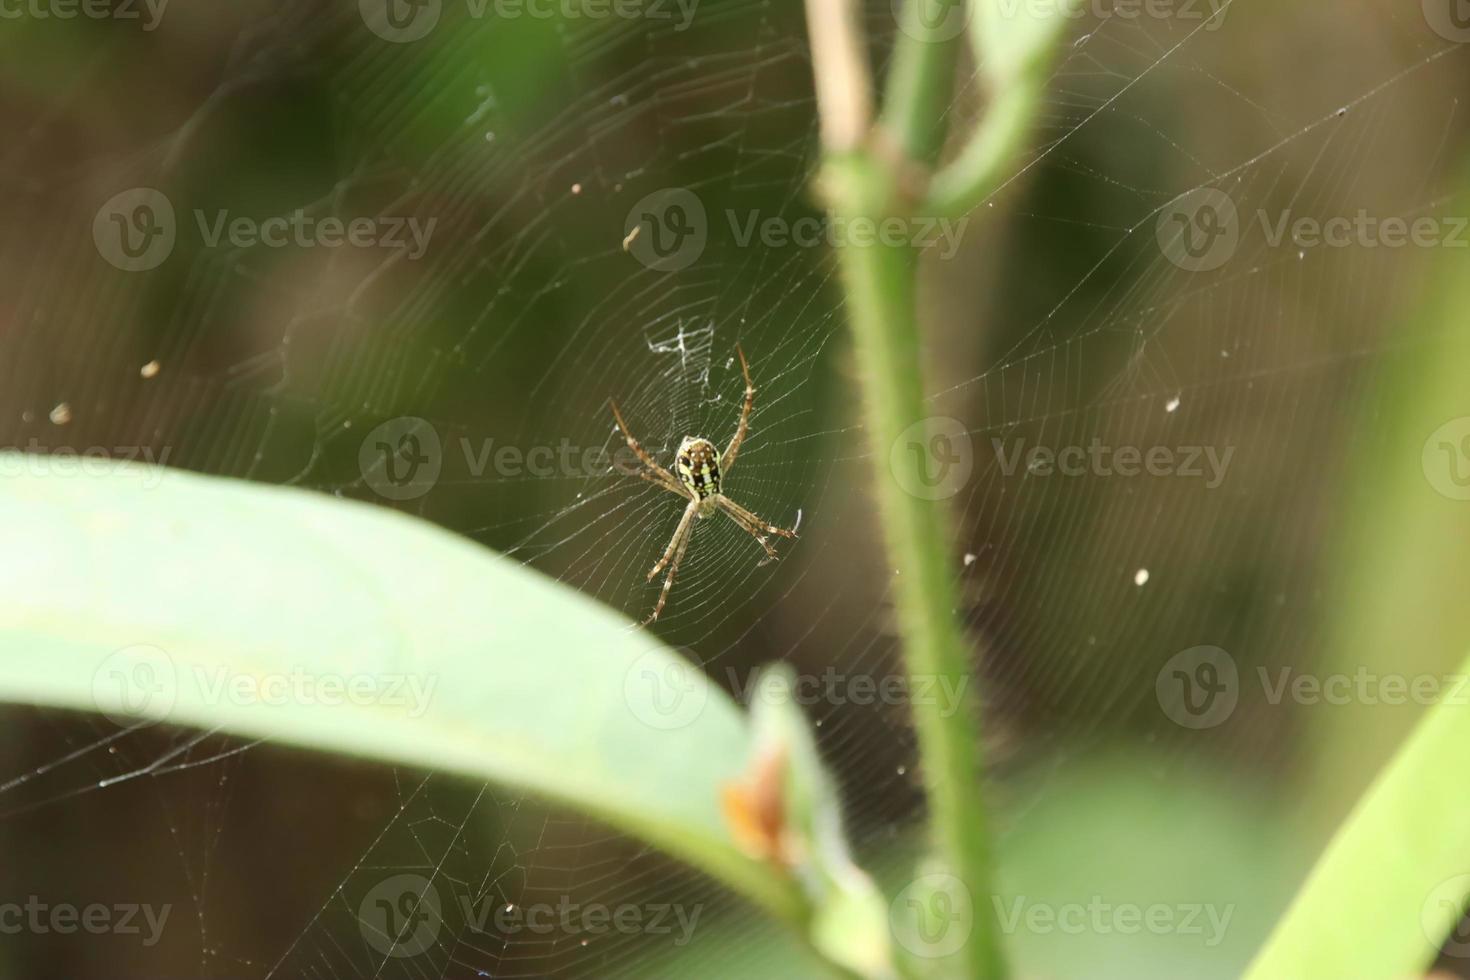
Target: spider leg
753	525
756	533
673	555
655	480
728	459
659	475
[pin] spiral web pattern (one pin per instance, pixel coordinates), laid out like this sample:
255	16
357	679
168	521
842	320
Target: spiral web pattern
1072	314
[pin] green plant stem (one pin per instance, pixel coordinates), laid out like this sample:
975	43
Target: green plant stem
981	165
881	291
870	179
920	81
1014	50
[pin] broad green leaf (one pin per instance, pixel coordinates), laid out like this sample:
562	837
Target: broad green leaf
850	926
154	595
1394	881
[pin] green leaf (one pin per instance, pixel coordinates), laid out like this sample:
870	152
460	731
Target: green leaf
155	595
1393	882
850	924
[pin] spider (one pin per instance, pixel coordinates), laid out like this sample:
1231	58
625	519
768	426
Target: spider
701	471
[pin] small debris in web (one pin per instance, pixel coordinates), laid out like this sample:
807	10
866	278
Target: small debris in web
970	557
797	527
1172	404
631	237
1140	577
149	370
61	414
576	188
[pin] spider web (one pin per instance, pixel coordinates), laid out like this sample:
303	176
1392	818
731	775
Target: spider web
535	146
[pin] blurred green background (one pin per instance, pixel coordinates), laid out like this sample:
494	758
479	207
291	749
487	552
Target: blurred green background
1332	545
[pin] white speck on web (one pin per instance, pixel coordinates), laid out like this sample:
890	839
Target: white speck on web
1140	577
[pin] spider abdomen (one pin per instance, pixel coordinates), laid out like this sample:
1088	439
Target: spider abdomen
698	463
